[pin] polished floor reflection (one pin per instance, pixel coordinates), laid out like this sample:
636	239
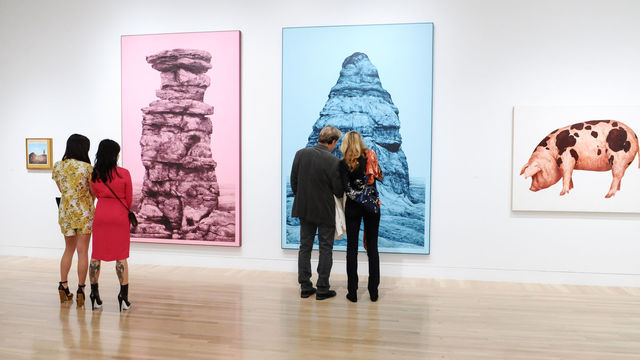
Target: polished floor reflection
197	313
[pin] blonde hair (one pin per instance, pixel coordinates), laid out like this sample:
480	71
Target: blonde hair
352	148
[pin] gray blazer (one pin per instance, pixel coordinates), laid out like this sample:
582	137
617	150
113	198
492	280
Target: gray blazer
315	178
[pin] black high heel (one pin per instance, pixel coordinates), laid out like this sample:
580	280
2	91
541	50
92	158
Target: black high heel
65	294
123	298
96	302
80	295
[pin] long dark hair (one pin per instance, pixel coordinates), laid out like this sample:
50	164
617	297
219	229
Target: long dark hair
77	148
106	160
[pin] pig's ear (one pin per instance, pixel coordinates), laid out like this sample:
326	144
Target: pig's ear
530	170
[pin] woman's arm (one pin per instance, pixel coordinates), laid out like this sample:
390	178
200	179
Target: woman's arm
55	177
128	189
93	194
344	177
373	168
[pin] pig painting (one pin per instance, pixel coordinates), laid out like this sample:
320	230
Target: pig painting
598	145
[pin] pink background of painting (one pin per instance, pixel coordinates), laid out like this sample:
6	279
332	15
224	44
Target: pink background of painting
140	82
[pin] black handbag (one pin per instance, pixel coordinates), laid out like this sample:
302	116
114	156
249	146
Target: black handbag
369	198
364	194
133	220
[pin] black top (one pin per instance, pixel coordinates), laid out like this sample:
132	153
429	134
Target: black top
350	178
353	181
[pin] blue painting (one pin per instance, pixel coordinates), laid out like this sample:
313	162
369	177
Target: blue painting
377	80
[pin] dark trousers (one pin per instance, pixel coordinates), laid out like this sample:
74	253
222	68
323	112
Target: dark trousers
354	217
325	261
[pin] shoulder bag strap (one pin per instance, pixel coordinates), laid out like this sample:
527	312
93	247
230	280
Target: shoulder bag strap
114	194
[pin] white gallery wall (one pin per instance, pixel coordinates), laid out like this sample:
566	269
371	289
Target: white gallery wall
60	64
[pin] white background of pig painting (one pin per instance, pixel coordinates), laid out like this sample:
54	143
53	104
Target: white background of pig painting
532	123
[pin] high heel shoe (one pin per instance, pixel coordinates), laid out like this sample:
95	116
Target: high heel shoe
123	298
96	303
80	296
65	294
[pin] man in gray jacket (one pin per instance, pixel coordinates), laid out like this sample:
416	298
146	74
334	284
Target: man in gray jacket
315	178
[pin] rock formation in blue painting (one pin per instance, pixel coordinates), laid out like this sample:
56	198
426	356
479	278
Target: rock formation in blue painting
358	102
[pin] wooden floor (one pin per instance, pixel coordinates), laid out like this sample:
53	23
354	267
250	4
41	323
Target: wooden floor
197	313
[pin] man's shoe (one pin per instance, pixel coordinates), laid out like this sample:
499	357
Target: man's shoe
352	297
328	294
306	293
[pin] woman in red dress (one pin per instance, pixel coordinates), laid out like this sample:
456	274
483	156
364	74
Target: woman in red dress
112	186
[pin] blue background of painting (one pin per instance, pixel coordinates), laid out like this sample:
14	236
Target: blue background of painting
37	148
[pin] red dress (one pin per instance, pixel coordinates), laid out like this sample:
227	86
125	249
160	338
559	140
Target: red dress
111	222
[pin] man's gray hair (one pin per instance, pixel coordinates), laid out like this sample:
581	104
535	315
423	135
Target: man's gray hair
328	134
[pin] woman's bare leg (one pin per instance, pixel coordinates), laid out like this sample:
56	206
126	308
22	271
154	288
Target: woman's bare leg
94	271
82	248
122	269
67	256
94	274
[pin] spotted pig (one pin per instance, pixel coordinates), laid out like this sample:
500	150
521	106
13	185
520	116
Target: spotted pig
598	145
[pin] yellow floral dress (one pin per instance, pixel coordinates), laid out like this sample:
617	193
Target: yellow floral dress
75	215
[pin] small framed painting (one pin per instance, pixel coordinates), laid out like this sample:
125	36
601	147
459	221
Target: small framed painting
38	153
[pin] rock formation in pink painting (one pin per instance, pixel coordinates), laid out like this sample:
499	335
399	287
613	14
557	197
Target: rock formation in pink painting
180	192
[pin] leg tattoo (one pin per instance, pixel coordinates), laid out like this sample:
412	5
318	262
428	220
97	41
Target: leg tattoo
120	270
94	271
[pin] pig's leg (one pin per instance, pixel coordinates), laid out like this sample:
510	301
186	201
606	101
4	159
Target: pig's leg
618	169
568	163
566	180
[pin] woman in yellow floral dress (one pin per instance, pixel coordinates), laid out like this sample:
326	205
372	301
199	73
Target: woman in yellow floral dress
75	215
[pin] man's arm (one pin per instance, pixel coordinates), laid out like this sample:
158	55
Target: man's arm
294	173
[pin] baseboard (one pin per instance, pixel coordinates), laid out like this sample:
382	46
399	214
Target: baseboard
392	269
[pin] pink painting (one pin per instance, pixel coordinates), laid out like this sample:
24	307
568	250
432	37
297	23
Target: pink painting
181	136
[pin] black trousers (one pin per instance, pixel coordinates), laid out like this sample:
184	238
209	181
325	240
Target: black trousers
355	214
325	260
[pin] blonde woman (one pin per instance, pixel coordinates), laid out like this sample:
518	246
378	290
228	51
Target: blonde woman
359	169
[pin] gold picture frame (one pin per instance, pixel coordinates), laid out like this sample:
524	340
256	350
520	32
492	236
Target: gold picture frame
38	153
